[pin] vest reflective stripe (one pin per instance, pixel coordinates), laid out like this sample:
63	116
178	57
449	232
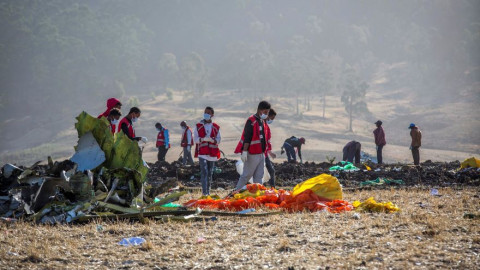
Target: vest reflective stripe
161	138
185	137
131	130
207	148
256	143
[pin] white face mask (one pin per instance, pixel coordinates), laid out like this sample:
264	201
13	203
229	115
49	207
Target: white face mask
134	120
269	121
263	116
159	130
114	121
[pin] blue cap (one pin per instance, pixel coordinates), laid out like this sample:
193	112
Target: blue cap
411	125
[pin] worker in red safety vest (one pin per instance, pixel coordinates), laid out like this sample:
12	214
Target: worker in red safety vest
268	153
111	103
186	143
163	141
126	124
254	146
207	137
113	118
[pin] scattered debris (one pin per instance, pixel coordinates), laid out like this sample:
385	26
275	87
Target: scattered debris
132	241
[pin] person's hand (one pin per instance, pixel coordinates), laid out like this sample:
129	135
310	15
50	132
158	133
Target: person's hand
166	147
144	139
207	139
410	147
272	155
244	156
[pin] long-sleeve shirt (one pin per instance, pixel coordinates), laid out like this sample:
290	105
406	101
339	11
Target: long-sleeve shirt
379	135
167	137
124	128
189	136
295	142
208	131
248	133
416	135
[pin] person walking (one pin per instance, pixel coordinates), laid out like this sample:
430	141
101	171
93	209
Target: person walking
416	135
380	141
207	138
163	141
186	143
289	147
352	150
253	146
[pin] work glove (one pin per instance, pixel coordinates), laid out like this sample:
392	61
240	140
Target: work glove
272	155
144	139
208	139
166	147
244	156
283	151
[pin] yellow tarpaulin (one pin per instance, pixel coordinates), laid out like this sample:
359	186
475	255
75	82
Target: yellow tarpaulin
470	162
324	186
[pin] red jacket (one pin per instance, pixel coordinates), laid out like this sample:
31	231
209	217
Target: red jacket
111	102
379	136
256	143
131	131
207	148
185	143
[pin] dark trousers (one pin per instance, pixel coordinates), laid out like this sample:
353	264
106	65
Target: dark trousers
206	174
187	155
291	155
271	171
416	155
379	154
162	152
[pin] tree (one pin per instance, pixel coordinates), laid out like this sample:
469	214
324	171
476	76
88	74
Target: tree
354	91
194	74
168	69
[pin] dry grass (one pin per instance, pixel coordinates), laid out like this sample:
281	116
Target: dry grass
430	232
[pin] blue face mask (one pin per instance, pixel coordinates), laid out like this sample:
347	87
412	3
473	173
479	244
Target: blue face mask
134	120
263	116
207	116
269	121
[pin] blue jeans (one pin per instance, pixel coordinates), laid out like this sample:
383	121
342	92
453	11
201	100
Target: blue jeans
206	174
291	155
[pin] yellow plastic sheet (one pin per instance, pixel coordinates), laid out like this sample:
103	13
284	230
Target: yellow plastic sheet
470	162
324	186
370	205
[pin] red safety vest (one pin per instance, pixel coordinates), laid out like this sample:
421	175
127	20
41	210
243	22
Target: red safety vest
113	128
185	143
131	131
161	138
256	143
207	148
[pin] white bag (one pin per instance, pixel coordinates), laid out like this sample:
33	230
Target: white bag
266	175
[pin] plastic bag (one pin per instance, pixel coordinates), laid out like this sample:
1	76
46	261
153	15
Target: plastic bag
239	166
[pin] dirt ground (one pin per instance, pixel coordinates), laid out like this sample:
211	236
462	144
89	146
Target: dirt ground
429	232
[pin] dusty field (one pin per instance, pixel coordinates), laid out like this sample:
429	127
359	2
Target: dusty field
428	233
